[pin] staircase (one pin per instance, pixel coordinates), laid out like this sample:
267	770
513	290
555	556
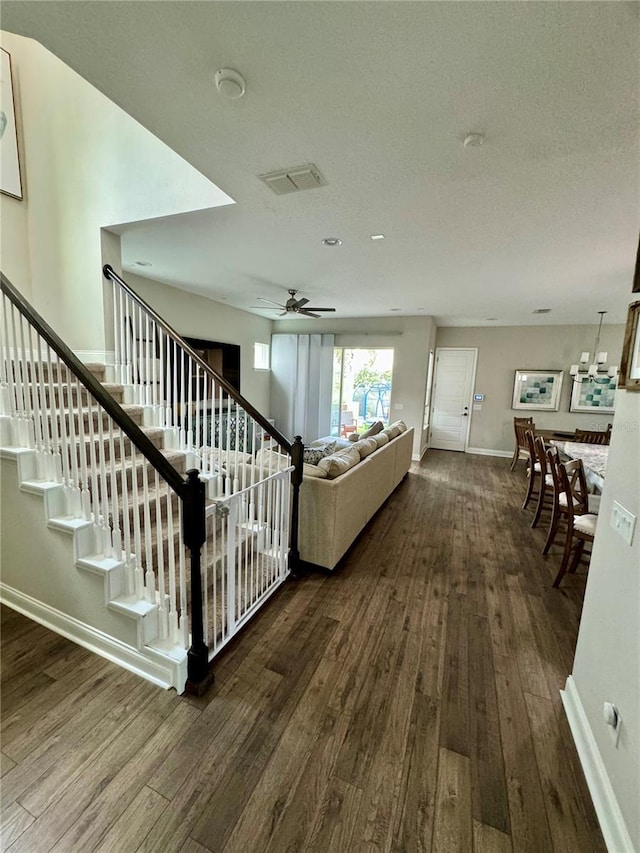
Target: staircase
104	540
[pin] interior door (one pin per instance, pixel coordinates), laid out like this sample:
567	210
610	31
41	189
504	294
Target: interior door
453	388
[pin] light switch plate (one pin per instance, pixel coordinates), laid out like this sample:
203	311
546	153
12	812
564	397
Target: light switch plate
623	522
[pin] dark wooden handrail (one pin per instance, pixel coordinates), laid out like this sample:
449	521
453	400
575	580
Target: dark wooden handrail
121	418
109	273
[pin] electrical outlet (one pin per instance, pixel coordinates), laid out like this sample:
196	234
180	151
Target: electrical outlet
623	522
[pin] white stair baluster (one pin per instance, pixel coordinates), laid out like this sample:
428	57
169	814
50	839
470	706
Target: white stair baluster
137	537
56	462
85	493
129	554
149	574
72	432
116	533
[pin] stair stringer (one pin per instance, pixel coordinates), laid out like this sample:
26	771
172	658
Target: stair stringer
87	606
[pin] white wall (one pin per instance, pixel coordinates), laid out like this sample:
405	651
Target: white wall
411	339
607	660
86	165
198	317
504	349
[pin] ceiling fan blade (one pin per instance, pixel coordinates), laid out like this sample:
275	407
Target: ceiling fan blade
301	303
284	313
320	309
309	314
262	299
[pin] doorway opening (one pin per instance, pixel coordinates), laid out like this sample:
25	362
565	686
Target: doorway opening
361	390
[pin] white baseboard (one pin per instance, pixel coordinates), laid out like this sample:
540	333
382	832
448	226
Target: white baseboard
417	457
486	451
612	823
164	670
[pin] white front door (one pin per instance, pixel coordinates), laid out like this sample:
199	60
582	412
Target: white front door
453	388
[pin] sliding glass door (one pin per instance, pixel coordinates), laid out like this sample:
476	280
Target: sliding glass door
361	390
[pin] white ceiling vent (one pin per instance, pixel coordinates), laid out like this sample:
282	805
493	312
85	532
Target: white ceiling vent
293	180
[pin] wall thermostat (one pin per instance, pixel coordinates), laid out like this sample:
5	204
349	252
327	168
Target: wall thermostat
478	398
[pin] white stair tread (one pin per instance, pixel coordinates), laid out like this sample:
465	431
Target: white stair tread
132	605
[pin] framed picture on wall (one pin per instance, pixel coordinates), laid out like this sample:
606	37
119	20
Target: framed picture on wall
10	183
537	389
594	394
630	361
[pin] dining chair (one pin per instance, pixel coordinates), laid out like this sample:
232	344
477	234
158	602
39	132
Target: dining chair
593	436
581	528
582	501
545	488
535	474
521	450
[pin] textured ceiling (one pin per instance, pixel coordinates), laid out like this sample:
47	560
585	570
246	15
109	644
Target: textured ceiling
380	96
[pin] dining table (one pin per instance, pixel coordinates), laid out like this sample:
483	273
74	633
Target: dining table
594	458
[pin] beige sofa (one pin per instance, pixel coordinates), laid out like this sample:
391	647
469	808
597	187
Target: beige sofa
334	511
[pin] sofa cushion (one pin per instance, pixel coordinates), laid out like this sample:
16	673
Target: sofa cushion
313	471
365	446
312	455
400	424
271	460
380	439
338	463
391	431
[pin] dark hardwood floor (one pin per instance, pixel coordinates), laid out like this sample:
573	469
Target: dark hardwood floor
408	702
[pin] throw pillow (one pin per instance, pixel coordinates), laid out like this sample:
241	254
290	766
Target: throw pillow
312	455
374	429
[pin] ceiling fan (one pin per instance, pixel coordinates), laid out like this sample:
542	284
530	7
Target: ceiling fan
294	306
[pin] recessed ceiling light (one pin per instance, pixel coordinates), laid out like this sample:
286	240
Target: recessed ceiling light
377	236
332	241
541	311
142	263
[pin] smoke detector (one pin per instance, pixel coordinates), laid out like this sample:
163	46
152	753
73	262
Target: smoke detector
230	83
473	140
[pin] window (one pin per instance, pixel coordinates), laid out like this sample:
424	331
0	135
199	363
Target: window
261	356
361	389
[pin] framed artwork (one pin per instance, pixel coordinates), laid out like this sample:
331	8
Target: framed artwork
10	182
630	361
595	394
537	389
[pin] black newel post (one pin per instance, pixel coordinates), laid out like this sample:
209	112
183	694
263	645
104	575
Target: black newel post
194	533
297	458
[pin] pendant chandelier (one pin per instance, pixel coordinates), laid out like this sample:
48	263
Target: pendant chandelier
588	372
